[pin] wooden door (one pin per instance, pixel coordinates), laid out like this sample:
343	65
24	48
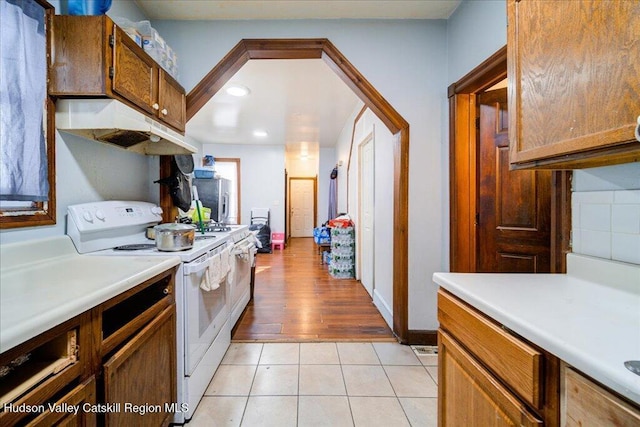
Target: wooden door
366	214
172	102
143	372
514	207
468	395
134	75
303	206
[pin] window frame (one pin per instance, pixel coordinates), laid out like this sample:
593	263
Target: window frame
40	213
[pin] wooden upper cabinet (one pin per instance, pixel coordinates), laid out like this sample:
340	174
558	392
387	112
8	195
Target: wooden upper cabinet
134	74
93	57
574	85
172	102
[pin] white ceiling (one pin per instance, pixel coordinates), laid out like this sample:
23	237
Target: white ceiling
300	103
297	9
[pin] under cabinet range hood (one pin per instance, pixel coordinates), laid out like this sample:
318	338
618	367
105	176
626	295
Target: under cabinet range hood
113	122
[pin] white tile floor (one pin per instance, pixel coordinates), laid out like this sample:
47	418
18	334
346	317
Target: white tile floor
321	384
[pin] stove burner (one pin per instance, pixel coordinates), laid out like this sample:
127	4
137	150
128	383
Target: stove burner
135	247
217	228
205	237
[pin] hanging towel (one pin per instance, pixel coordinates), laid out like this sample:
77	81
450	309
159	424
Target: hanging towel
205	282
232	266
213	271
224	263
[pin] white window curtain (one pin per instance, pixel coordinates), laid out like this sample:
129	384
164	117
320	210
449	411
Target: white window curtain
23	90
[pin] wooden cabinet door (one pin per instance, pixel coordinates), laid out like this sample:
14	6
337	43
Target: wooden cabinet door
574	85
172	101
468	395
143	372
134	73
84	394
587	404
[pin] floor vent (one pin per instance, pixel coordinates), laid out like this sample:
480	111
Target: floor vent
425	350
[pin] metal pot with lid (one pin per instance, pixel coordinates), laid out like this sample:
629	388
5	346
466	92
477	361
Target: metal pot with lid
172	237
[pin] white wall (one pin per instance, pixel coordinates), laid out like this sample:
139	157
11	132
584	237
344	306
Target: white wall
475	31
369	124
406	62
88	171
261	177
327	162
343	147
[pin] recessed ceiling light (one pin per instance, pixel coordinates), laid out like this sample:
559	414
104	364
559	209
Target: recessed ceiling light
238	90
260	133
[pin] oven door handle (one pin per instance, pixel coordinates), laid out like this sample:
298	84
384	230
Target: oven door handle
193	268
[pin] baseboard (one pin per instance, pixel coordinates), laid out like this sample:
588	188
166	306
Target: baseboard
421	337
383	308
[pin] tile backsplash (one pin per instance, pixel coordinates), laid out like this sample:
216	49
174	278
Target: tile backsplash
606	224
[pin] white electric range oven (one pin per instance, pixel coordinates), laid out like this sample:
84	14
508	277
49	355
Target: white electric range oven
204	318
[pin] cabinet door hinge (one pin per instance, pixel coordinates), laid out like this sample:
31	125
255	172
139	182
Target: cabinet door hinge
111	72
112	41
477	218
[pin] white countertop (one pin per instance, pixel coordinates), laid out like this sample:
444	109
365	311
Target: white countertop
46	282
590	317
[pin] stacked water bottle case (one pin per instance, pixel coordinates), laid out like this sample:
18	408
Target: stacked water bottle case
343	253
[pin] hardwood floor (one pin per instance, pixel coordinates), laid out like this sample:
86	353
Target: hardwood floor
295	299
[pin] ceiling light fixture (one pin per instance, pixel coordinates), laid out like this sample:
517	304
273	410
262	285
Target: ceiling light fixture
260	133
238	90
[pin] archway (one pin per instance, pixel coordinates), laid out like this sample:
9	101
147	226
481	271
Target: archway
255	49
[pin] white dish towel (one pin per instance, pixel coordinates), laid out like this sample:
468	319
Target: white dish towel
224	263
212	276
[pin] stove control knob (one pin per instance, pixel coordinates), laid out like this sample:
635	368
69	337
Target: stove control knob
87	216
156	210
100	215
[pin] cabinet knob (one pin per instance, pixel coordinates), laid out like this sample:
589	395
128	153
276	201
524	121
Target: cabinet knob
165	291
638	130
155	106
164	111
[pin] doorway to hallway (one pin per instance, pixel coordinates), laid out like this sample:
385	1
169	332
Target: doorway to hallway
295	299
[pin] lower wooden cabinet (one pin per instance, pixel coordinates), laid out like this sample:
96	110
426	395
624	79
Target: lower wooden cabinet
74	409
585	404
138	376
116	363
469	395
488	376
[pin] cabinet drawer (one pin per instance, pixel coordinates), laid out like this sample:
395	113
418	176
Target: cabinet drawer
468	395
513	361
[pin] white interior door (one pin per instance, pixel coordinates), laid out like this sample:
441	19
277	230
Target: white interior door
366	214
303	205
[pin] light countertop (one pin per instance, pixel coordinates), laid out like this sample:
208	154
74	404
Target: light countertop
46	282
590	317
